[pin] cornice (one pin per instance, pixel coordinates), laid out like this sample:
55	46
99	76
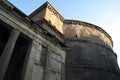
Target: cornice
85	24
50	7
6	5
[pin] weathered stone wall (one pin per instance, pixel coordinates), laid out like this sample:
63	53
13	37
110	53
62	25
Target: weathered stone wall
88	61
54	20
47	12
45	62
90	55
37	16
45	58
85	31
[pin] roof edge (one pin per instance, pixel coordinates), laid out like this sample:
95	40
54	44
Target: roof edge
69	21
50	7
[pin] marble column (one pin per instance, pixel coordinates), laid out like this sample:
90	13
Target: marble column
7	52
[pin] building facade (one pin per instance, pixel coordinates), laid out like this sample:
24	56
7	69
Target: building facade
90	56
28	50
45	46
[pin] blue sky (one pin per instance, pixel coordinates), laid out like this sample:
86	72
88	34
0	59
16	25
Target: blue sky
104	13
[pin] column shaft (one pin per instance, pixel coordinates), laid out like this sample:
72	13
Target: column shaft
7	52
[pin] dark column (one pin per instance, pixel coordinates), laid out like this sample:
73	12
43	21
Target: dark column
7	52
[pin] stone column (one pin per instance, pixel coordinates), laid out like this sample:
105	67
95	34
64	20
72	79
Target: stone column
33	70
7	52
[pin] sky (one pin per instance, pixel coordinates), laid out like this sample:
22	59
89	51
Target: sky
103	13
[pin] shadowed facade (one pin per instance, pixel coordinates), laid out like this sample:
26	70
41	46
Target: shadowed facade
90	56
